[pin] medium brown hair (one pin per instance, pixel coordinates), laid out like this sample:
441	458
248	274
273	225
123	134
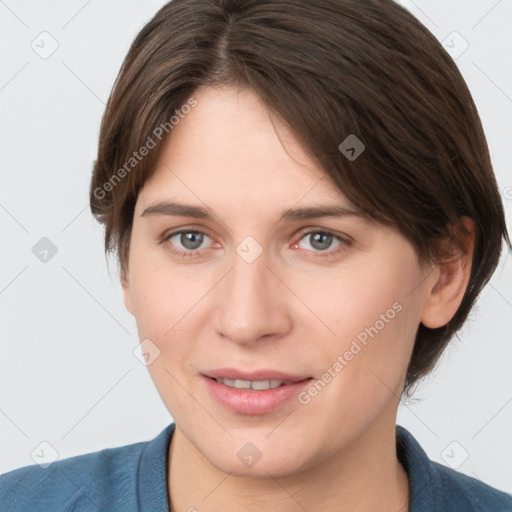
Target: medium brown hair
328	69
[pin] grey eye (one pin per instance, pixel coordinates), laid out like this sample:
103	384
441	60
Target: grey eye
190	240
319	240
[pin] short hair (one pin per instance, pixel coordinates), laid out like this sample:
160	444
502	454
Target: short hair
328	69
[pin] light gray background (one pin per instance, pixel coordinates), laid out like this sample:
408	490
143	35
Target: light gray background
68	375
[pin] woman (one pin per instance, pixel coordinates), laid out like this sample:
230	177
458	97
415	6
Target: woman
304	211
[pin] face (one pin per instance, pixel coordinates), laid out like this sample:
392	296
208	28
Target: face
329	305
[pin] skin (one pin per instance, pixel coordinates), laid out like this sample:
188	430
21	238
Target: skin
292	309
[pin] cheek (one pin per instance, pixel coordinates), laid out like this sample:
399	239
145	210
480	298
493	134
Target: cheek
374	312
169	307
369	298
163	296
165	306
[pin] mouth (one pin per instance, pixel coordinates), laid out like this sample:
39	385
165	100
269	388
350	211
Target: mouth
253	393
256	385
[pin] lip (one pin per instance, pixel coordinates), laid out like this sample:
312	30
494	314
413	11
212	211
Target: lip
252	402
263	374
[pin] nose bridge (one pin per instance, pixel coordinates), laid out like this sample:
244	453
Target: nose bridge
249	307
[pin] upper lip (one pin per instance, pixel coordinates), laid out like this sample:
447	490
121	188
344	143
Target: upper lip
263	374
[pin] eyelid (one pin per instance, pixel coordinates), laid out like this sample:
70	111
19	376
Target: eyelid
166	236
187	229
345	241
317	229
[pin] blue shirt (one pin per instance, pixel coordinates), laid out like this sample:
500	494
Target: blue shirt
134	477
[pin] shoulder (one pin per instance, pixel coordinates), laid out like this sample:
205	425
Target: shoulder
434	486
462	490
84	482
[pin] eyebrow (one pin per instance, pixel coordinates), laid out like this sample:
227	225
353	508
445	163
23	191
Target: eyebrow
292	214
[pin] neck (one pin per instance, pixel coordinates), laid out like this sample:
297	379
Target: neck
365	476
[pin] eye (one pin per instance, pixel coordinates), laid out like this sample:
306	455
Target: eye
191	241
321	241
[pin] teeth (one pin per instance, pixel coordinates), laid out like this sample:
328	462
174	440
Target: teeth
258	385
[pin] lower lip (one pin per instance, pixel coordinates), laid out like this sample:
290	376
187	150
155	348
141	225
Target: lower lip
246	401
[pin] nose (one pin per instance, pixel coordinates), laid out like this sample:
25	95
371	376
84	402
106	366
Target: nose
252	303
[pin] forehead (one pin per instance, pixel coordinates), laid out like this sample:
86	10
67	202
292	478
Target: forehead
229	147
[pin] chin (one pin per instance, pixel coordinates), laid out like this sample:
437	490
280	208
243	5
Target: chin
259	459
275	467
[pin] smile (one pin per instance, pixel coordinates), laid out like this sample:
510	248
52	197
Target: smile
256	385
253	393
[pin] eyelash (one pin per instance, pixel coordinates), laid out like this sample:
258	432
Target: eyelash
344	242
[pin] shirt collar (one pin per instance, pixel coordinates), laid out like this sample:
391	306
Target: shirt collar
153	473
424	485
